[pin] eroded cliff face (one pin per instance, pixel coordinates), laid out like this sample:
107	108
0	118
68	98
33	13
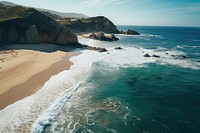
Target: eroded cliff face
32	35
27	25
93	24
66	37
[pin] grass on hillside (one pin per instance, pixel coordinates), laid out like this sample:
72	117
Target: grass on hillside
9	13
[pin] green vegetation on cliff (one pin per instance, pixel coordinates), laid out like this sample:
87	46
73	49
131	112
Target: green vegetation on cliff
8	13
93	24
27	25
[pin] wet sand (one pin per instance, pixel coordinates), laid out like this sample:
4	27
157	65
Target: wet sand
24	72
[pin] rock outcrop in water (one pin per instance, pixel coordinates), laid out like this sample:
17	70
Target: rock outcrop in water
99	49
156	56
27	25
147	55
130	32
180	56
118	48
101	36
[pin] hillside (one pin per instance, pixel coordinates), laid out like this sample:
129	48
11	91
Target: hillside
76	22
93	24
56	13
62	14
27	25
6	3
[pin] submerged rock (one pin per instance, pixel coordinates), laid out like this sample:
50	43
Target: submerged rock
130	81
158	77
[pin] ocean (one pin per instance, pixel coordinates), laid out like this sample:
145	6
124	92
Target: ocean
121	91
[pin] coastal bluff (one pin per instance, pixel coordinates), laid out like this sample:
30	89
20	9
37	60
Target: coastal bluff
27	25
22	25
92	24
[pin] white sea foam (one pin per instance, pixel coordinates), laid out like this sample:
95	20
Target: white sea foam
82	113
141	35
124	35
46	118
179	46
195	40
20	116
188	46
129	56
133	56
151	35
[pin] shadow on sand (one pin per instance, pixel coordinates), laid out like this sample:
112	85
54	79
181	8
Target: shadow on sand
48	48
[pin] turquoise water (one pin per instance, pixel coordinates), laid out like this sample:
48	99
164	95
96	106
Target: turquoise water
155	97
159	99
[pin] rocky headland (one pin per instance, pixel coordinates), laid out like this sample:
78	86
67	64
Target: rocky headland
93	24
24	25
27	25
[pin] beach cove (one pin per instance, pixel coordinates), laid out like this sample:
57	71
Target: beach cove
99	66
23	72
104	84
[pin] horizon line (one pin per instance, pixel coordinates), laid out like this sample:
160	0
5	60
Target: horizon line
158	25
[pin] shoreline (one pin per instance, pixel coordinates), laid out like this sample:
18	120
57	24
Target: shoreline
36	81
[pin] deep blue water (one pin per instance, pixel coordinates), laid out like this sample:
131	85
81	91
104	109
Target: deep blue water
168	37
154	98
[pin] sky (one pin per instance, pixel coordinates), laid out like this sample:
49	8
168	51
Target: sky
129	12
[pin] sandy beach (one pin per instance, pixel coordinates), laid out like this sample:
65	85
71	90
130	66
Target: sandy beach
23	72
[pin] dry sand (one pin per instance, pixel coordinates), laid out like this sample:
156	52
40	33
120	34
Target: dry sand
23	72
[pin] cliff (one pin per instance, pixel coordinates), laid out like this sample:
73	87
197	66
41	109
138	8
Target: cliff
77	23
27	25
93	24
